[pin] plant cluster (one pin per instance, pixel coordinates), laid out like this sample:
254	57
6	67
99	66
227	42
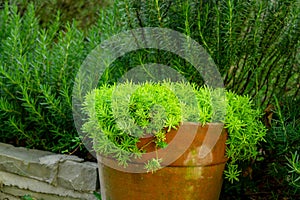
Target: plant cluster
37	70
255	44
275	172
283	144
119	115
294	170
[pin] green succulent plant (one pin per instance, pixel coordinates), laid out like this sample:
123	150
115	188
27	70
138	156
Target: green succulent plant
119	114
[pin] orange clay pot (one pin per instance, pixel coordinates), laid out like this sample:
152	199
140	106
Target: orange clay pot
189	177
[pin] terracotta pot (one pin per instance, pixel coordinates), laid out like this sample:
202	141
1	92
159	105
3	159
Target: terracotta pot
191	176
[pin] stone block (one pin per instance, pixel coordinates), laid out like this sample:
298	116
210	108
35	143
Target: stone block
26	162
78	176
45	175
36	164
17	193
13	184
4	196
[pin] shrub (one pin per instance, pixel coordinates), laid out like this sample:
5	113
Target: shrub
37	69
283	144
275	172
255	44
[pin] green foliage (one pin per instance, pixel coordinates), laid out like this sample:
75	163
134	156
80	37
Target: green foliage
245	128
98	196
255	44
283	144
119	114
128	111
273	175
37	69
153	165
294	166
27	197
84	12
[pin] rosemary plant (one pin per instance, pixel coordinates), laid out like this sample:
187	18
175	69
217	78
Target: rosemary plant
37	69
255	44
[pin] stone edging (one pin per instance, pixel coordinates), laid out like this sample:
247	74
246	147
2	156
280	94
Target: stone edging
45	175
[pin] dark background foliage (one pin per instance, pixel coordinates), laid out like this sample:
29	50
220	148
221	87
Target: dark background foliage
84	12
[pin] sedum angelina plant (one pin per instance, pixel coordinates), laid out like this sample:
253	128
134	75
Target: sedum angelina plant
123	118
119	114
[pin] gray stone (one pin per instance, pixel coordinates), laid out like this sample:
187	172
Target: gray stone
16	193
4	196
40	165
44	173
13	184
27	163
51	159
78	176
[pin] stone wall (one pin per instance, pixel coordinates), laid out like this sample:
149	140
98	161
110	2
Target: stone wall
44	175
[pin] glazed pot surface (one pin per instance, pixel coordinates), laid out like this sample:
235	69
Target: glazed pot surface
190	177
